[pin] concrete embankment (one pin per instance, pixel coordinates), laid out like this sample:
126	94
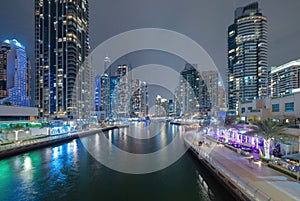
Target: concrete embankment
231	187
232	184
18	148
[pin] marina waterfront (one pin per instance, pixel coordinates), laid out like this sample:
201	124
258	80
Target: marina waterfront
68	172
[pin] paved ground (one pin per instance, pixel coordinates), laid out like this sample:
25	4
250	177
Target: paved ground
258	177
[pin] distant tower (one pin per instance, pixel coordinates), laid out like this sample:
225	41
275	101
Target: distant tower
97	93
247	56
139	99
105	92
14	78
106	66
124	91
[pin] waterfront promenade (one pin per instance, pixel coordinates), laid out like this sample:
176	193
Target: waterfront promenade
27	145
254	179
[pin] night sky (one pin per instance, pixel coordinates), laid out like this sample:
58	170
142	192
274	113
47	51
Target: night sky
205	21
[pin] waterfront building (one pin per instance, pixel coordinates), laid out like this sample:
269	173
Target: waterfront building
171	108
104	94
247	56
17	113
124	91
113	96
195	93
139	99
222	97
189	90
161	107
284	79
63	75
211	81
177	104
14	74
97	92
285	109
280	108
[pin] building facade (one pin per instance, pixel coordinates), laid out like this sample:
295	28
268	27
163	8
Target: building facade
113	96
105	91
189	90
196	91
284	79
14	74
124	91
211	80
280	108
139	99
161	106
61	55
247	56
97	100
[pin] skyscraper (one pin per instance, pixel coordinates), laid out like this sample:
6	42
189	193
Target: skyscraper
14	77
161	107
105	92
139	99
247	56
124	91
189	90
97	92
211	80
284	79
193	95
114	96
61	52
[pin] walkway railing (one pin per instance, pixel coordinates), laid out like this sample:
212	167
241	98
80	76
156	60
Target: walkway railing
247	189
51	138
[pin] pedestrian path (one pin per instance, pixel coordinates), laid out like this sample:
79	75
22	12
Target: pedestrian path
27	145
251	176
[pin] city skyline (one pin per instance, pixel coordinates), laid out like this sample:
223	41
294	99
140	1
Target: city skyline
189	18
125	115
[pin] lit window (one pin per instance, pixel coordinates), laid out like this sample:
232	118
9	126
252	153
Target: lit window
275	107
289	107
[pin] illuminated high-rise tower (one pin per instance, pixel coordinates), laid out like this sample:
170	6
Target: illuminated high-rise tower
247	56
14	74
61	53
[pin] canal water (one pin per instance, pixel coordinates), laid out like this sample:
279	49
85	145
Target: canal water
68	172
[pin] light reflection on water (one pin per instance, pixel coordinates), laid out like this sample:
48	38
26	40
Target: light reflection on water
68	172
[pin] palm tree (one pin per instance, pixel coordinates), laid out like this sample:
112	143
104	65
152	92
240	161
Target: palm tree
268	130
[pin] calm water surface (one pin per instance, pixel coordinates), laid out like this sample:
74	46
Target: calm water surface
68	172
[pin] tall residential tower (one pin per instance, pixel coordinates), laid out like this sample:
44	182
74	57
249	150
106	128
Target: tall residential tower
14	74
247	56
61	49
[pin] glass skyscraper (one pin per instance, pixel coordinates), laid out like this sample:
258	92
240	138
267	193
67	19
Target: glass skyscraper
193	96
61	53
247	74
14	74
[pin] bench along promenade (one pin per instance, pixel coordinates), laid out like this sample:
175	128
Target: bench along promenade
19	147
249	180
